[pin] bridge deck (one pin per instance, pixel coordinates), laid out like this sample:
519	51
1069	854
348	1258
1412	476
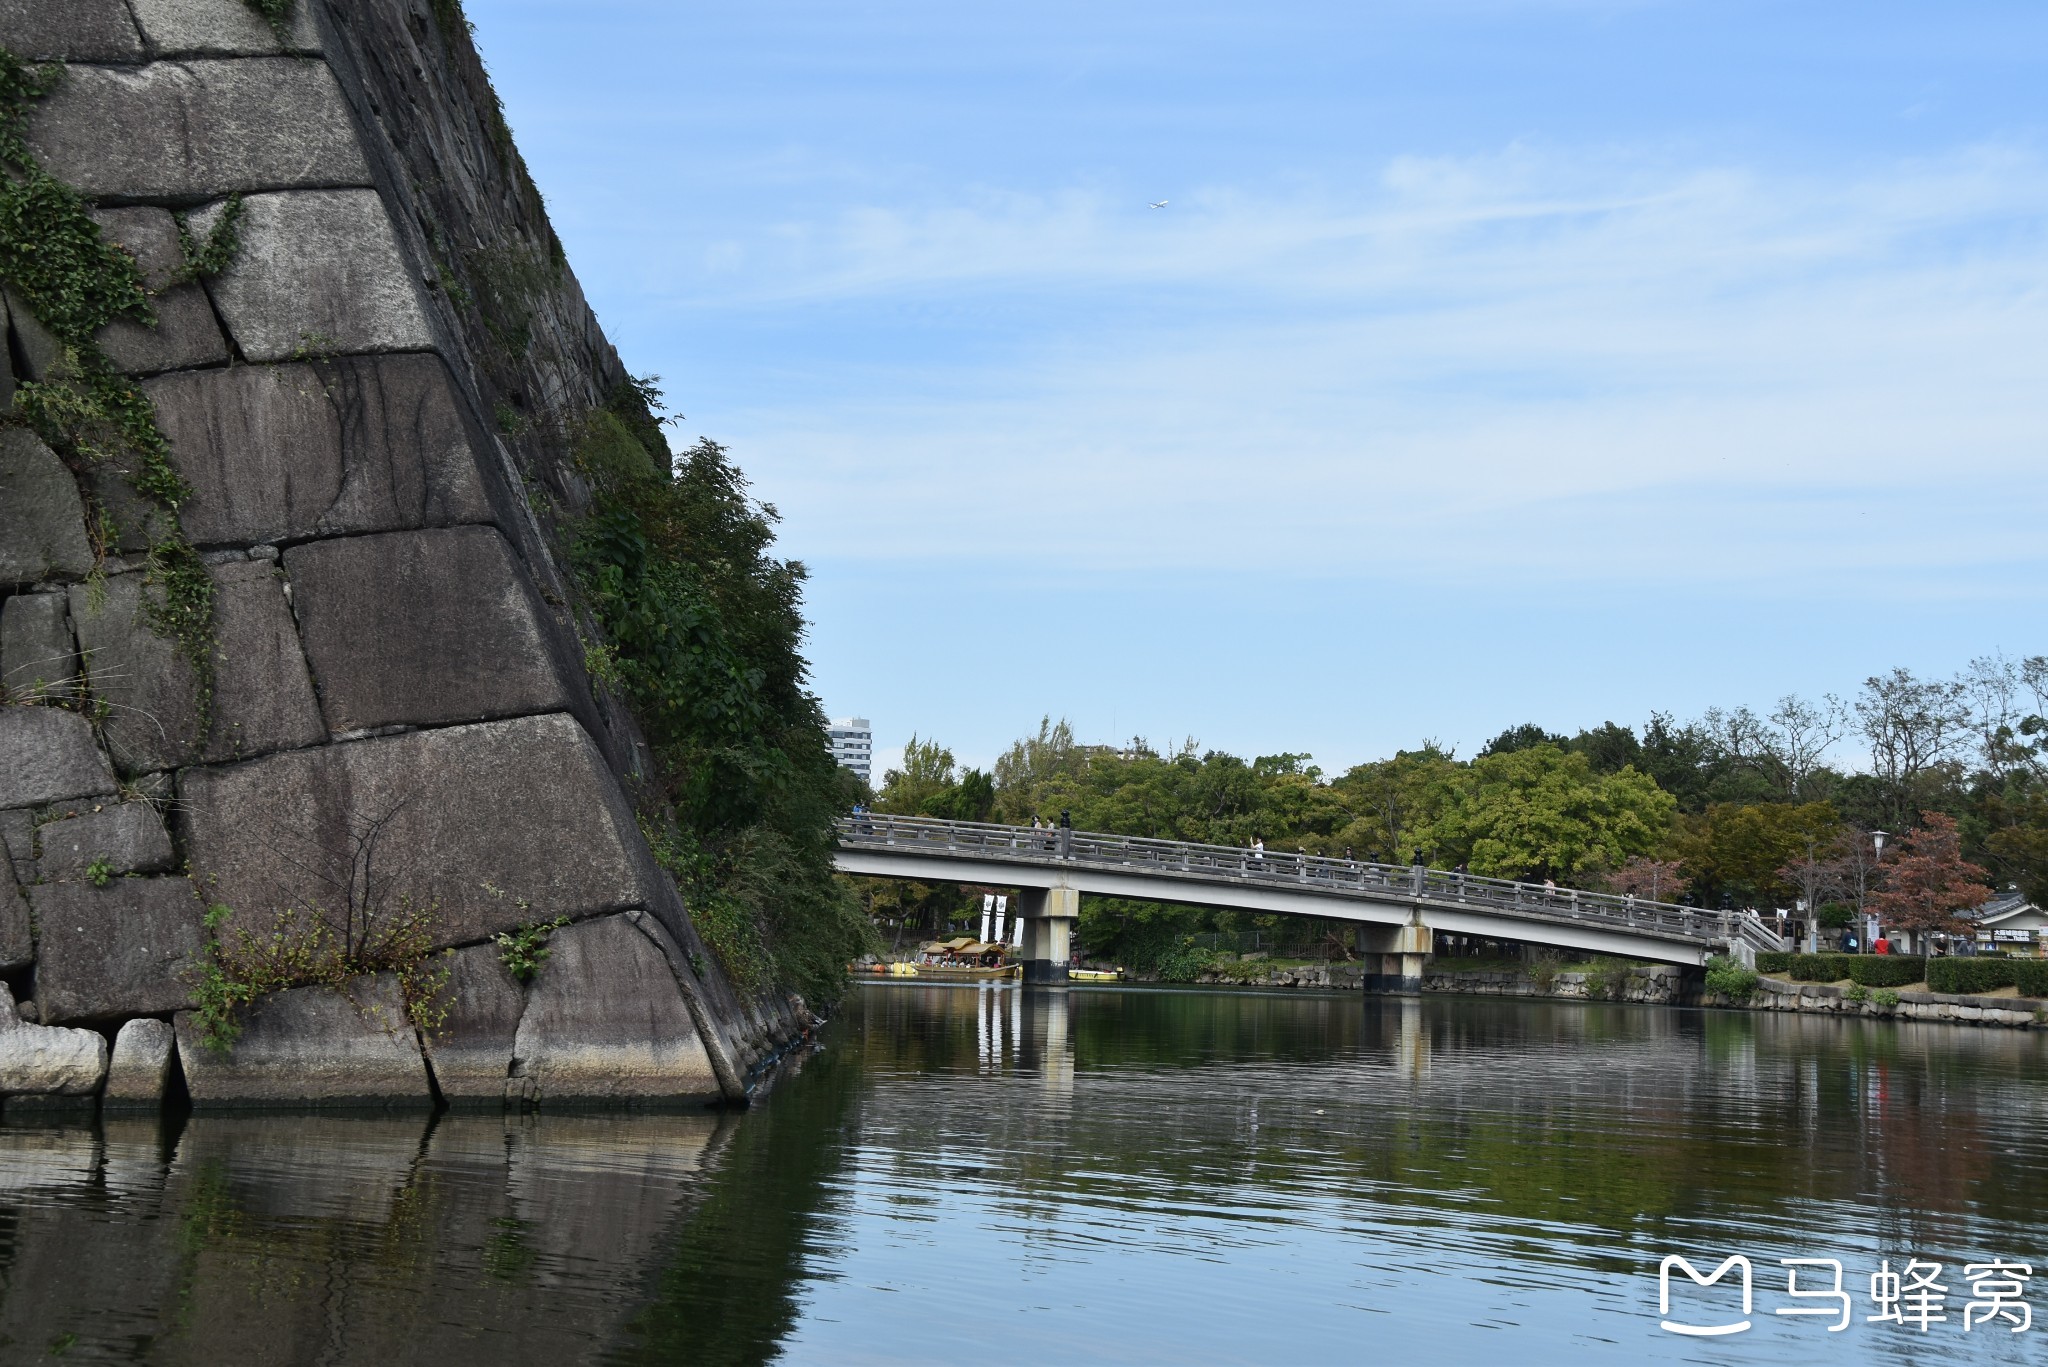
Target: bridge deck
1344	889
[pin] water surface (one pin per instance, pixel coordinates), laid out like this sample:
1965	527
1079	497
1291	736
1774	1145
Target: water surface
991	1174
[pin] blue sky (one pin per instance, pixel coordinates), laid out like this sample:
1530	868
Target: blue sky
1493	360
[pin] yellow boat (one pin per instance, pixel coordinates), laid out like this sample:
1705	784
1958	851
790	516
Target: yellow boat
1095	975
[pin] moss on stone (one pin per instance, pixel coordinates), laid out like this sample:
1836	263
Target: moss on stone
53	257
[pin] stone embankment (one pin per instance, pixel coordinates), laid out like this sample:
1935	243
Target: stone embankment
1825	999
1658	985
321	663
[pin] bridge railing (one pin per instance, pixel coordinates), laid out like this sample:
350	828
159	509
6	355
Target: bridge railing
1355	877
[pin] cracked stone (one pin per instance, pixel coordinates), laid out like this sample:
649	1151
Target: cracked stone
186	333
199	129
48	755
185	28
121	950
75	30
319	272
262	696
129	837
313	1046
287	452
491	826
36	651
420	627
42	520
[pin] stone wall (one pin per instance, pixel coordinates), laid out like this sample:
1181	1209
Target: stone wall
368	404
1653	985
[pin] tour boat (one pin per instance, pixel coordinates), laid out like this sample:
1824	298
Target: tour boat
962	959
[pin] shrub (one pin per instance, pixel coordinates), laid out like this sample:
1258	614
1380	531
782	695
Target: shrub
1185	963
1885	997
1730	979
1872	970
1543	973
1607	978
1857	992
1965	976
1883	970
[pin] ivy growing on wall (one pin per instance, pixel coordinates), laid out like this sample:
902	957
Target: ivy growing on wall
74	282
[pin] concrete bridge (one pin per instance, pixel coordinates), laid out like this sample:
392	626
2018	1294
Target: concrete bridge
1397	909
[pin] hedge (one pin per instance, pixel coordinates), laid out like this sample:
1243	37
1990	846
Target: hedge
1966	976
1871	970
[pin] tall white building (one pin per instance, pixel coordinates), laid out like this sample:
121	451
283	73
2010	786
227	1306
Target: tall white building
853	745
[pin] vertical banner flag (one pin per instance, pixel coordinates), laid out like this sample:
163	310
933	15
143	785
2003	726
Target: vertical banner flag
988	902
1002	908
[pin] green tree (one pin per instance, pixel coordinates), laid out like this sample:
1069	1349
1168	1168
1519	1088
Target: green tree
703	628
1543	813
927	773
1739	851
1392	805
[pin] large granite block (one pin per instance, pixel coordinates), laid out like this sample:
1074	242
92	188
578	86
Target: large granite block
17	940
69	30
139	1073
313	1046
185	333
319	272
420	627
606	1021
472	1051
200	129
34	348
125	837
126	949
36	651
286	452
48	755
221	28
492	825
38	1060
42	521
262	697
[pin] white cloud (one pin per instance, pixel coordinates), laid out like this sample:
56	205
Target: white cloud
1623	349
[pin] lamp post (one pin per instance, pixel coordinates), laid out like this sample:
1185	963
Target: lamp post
1870	922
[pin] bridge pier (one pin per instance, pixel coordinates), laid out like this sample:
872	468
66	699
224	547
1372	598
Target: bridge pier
1049	915
1402	953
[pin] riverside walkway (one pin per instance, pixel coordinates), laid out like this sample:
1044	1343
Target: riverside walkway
1398	908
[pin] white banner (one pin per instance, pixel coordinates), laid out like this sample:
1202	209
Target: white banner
1002	908
988	902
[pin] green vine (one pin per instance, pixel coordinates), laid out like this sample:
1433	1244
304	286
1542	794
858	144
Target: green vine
75	283
203	260
303	949
276	13
525	949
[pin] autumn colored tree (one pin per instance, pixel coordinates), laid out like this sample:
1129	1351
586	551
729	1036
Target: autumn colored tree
1929	885
1660	880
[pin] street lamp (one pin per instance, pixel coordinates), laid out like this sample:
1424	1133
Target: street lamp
1869	921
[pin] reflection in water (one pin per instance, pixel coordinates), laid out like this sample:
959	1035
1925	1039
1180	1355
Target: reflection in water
989	1173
